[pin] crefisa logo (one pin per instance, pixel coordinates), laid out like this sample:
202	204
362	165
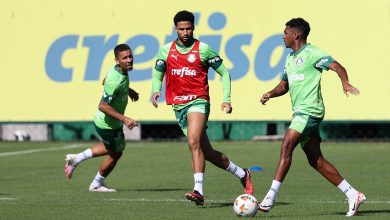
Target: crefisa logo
145	47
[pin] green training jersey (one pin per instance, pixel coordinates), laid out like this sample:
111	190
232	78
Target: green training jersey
302	71
116	90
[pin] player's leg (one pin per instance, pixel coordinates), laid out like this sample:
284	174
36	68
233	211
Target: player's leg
72	160
290	141
221	160
196	122
325	168
318	162
114	145
107	165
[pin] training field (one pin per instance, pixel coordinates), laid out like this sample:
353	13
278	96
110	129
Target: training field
152	178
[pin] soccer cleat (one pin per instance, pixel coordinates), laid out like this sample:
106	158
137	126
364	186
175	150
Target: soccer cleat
100	188
247	183
195	197
266	204
355	203
70	165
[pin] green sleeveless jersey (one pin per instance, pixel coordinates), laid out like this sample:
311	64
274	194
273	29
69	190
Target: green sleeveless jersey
116	90
302	71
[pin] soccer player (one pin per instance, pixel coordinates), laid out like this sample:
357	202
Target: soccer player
109	120
302	76
185	63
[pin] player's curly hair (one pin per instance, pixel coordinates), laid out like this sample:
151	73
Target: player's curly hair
301	25
183	16
119	48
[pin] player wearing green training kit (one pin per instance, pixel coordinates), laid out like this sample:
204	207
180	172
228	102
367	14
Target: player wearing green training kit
184	63
302	78
109	121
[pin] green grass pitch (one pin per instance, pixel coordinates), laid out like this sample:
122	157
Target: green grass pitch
152	178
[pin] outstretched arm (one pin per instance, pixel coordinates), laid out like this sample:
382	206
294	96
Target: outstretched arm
342	73
281	89
106	108
134	96
156	86
226	86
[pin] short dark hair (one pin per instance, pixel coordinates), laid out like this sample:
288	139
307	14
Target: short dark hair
301	25
119	48
184	16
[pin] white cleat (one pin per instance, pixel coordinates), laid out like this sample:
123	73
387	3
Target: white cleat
267	204
101	188
355	203
70	165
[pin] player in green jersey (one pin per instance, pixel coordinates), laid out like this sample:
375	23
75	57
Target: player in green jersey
109	120
302	75
184	63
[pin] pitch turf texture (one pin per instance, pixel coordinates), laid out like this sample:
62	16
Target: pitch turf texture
152	178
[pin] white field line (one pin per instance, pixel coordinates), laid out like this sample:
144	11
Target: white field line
15	153
7	198
225	201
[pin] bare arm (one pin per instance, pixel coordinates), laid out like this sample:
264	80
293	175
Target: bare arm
106	108
281	89
342	73
134	96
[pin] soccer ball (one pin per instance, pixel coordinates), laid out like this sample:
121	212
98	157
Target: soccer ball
245	205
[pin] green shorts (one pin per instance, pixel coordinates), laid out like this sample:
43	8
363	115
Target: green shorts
181	114
307	125
113	139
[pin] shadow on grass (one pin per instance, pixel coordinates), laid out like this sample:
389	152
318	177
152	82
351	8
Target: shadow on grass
210	205
213	204
367	212
152	190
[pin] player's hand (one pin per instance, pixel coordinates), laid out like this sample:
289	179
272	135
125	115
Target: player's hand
264	99
226	107
129	123
350	89
134	96
154	99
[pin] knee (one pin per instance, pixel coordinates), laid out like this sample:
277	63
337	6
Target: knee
287	150
193	143
316	163
116	155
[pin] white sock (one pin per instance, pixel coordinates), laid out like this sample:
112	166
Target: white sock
98	180
347	189
236	170
274	189
198	179
85	155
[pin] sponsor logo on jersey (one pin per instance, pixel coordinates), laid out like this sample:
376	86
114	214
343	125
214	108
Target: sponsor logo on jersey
322	61
191	58
174	56
296	76
299	62
185	71
184	97
214	60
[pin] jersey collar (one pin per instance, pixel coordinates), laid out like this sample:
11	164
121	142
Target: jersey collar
300	49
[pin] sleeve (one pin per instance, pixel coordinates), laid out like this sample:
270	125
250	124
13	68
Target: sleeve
160	68
321	60
226	82
109	91
209	56
157	79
